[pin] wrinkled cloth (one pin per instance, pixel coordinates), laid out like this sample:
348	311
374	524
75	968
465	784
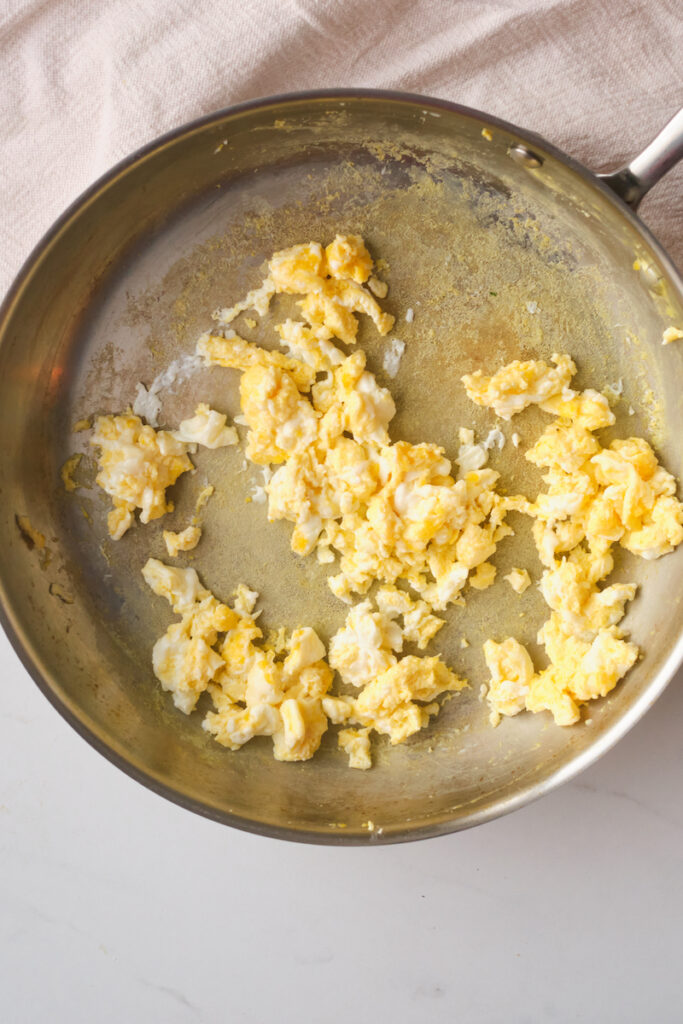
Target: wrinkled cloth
85	81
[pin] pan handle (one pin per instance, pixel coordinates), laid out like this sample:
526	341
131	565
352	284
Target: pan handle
636	178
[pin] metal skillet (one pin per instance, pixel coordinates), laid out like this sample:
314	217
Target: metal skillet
504	247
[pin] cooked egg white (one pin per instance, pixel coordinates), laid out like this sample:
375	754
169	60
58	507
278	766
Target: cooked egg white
208	428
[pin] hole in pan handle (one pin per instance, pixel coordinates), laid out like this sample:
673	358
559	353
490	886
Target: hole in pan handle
636	178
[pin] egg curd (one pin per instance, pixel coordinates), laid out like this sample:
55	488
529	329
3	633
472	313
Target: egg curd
138	463
184	540
385	512
595	497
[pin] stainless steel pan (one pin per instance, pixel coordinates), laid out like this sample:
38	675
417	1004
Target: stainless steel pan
476	233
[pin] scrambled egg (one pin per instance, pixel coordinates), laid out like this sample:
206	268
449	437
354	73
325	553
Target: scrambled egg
356	743
388	511
214	648
595	497
483	576
518	385
364	653
282	691
511	673
389	704
364	647
138	463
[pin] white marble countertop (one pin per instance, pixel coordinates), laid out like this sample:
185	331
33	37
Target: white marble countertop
118	906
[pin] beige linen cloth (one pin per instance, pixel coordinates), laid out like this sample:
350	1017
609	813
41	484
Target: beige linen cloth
84	82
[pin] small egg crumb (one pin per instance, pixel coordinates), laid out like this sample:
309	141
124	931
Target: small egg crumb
356	743
61	593
671	334
81	425
67	471
410	315
487	134
184	541
33	538
202	499
518	579
378	288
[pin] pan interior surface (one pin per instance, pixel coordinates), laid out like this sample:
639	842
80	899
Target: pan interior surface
498	259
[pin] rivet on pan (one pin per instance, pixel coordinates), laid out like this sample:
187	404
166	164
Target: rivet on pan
526	157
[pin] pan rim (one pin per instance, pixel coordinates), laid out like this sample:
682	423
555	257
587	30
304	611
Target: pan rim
31	662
